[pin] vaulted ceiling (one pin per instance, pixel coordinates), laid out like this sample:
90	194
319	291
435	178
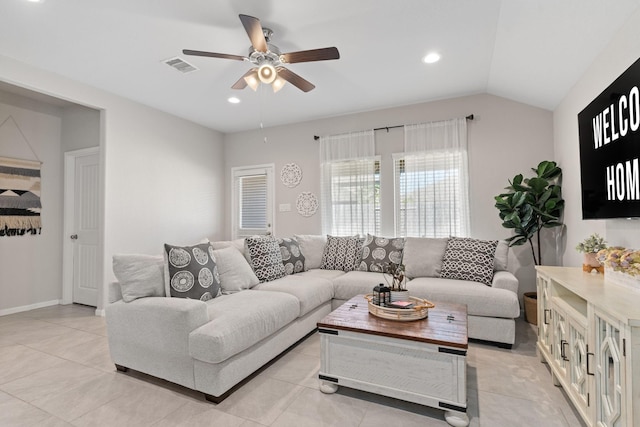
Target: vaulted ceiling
532	51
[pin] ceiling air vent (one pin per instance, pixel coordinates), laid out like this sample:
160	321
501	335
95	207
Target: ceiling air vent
180	65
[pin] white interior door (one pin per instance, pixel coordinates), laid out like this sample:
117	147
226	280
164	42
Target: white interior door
252	206
83	217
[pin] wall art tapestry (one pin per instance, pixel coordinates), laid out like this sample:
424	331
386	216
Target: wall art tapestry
19	197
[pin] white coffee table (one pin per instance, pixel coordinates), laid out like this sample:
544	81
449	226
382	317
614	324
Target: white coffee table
422	361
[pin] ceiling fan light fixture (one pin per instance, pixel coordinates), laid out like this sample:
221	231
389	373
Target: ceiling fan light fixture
267	73
277	84
252	81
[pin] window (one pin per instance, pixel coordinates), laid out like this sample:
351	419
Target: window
350	184
431	181
252	201
351	197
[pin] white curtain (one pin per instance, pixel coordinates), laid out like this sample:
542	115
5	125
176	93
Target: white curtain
432	181
349	197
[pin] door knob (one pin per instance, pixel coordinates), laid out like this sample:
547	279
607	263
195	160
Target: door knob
74	237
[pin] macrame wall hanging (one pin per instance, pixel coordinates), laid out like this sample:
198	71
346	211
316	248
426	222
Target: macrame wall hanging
20	205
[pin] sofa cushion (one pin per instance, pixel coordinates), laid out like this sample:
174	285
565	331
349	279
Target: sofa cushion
380	251
469	259
326	274
191	272
342	253
239	321
481	300
422	256
292	257
309	290
312	247
235	273
265	257
501	257
356	283
139	275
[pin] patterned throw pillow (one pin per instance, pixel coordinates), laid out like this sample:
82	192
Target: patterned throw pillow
380	251
191	272
469	259
265	256
292	256
342	253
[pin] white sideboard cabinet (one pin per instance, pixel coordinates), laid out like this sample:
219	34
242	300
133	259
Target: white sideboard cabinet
589	334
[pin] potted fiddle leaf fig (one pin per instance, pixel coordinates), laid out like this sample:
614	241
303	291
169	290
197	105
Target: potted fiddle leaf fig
532	204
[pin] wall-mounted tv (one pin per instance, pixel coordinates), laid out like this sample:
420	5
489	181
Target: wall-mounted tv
609	133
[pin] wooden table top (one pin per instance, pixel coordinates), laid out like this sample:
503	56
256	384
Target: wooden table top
439	328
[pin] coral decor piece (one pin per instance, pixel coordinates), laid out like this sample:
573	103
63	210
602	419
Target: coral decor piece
291	175
307	204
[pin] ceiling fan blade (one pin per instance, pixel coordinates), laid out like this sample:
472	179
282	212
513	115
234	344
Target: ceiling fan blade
311	55
242	83
295	79
213	54
254	30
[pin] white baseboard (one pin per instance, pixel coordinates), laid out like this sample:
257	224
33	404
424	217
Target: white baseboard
7	311
100	312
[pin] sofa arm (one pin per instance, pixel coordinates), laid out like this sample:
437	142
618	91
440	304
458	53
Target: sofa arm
505	280
150	334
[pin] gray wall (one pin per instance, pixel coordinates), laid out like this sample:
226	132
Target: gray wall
31	265
162	176
620	53
506	138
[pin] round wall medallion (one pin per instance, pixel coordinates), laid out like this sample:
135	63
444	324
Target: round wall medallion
291	175
307	204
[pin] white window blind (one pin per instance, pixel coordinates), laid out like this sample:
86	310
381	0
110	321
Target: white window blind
253	201
350	184
431	181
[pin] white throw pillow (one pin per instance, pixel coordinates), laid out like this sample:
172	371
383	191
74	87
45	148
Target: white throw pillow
235	273
312	247
139	275
423	256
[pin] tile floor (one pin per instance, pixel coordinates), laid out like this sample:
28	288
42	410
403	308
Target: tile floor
55	371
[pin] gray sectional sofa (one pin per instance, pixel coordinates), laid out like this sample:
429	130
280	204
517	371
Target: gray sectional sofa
212	346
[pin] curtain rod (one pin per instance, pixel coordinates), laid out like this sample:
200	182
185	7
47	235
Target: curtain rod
469	117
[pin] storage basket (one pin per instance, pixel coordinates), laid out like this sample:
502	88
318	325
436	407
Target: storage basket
531	307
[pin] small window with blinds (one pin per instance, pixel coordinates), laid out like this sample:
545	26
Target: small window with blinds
253	201
351	197
430	195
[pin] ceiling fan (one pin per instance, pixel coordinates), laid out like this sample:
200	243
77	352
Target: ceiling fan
269	62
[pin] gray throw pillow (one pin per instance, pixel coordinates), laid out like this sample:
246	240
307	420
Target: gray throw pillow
342	253
265	257
469	259
422	256
191	272
380	251
292	256
139	275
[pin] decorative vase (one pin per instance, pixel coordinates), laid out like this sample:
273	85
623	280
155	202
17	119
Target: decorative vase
591	263
399	296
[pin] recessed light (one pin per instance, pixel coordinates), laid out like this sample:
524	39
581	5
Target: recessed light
431	58
234	100
35	1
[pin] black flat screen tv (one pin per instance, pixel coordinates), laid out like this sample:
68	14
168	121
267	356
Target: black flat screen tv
609	134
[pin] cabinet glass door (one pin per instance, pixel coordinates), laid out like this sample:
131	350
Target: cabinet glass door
578	361
609	375
544	314
560	340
